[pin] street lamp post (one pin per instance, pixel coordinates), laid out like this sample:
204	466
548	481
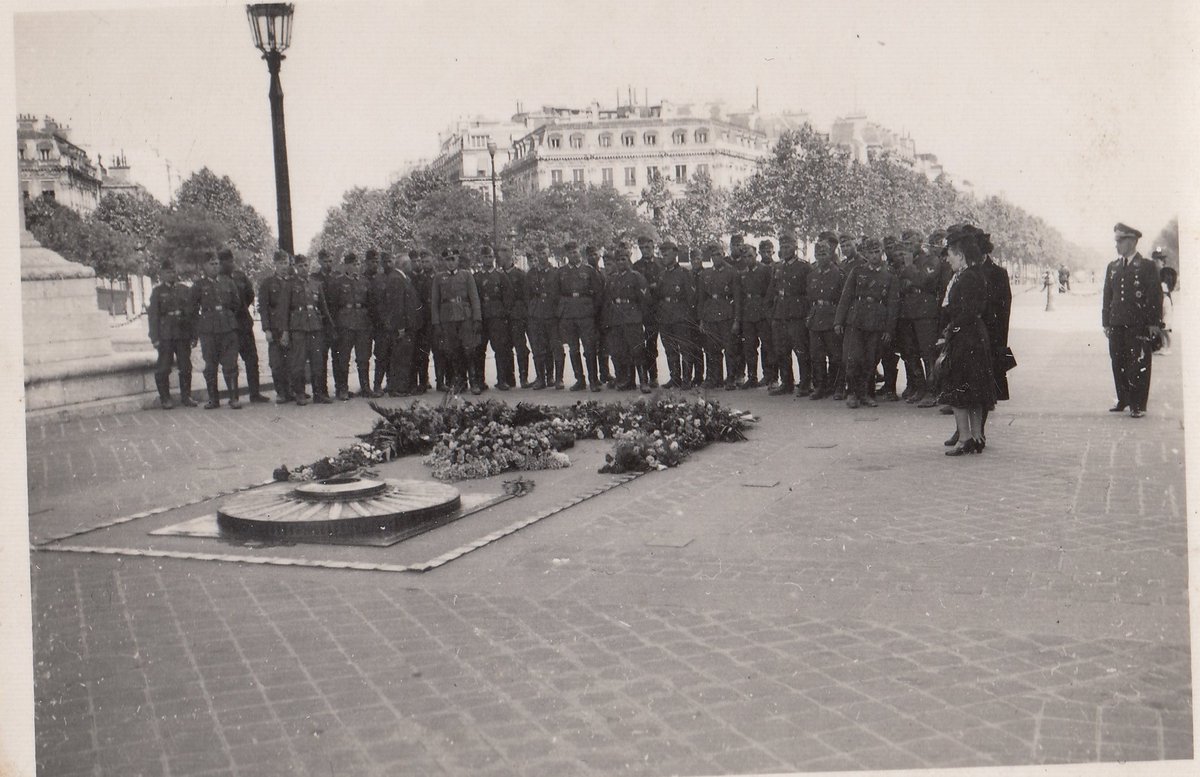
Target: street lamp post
491	147
271	25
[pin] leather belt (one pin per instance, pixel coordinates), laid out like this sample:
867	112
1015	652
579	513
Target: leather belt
174	313
454	299
622	299
355	306
822	302
580	294
217	307
307	307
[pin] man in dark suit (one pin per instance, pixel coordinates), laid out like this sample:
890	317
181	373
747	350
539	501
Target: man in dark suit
1132	317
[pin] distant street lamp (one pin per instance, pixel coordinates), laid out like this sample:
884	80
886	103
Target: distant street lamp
491	147
271	24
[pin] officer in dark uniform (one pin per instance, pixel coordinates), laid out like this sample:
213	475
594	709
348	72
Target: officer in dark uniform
349	303
823	290
788	292
328	340
381	336
518	314
626	309
544	299
1132	316
170	320
308	321
719	309
889	351
648	268
215	302
582	295
496	299
674	303
866	317
402	312
247	348
848	251
273	315
457	321
695	339
756	319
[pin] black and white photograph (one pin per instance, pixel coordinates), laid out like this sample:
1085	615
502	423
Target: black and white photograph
583	389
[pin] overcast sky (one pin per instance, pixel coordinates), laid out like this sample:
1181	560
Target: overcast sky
1081	112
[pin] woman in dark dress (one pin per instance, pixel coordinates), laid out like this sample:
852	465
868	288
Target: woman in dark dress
967	380
995	319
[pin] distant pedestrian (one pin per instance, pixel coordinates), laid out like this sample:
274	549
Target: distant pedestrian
1131	315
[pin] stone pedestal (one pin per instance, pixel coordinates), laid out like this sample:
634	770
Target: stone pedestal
70	366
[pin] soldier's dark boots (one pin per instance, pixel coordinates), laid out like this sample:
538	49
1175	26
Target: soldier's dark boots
780	390
852	402
231	383
256	395
165	402
869	402
579	385
343	395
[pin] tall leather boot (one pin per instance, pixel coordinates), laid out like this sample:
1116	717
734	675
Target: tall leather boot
593	373
185	389
252	381
643	378
539	371
163	384
231	383
522	363
560	362
214	399
786	381
577	369
364	381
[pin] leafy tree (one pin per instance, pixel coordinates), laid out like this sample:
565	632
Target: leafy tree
111	254
656	199
452	216
697	217
138	215
592	215
189	236
246	230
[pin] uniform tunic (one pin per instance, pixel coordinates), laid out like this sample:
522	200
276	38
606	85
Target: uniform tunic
823	290
675	301
247	348
756	318
170	320
868	308
496	298
625	309
545	341
650	271
1132	303
215	302
581	290
273	317
718	306
788	294
308	322
350	305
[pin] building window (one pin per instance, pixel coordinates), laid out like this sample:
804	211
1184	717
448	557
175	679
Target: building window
44	154
627	139
606	175
605	140
679	137
650	138
651	174
681	173
701	169
21	151
554	141
577	175
577	141
701	136
48	194
556	176
631	176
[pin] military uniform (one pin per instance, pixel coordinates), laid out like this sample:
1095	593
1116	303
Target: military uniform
402	314
215	302
625	309
823	290
349	304
917	327
381	338
756	322
650	271
170	320
695	338
581	293
675	304
308	322
273	315
789	307
544	339
601	359
718	307
518	316
496	299
867	309
328	338
247	348
456	317
422	283
1132	303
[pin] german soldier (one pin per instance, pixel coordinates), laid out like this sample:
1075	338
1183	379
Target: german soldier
328	340
247	348
824	288
648	268
789	307
308	321
674	305
866	316
496	300
170	319
544	299
582	294
518	315
625	312
273	315
457	319
719	308
1131	315
215	302
756	321
349	303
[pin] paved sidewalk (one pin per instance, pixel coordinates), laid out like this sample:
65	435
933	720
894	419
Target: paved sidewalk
833	594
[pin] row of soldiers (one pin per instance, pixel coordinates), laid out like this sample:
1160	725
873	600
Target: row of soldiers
719	318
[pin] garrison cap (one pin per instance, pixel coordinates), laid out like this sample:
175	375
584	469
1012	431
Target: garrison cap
350	258
1158	253
485	251
668	245
828	237
1123	230
225	255
372	255
871	244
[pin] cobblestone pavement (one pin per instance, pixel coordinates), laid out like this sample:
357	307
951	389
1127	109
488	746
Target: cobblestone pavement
834	594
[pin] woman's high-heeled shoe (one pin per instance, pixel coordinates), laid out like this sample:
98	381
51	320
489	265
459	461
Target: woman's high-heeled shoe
953	439
967	447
